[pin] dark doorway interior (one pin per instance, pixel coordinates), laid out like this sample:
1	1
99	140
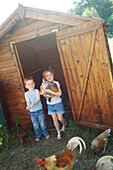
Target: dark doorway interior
37	54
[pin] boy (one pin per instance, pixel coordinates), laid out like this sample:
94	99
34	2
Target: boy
55	105
34	105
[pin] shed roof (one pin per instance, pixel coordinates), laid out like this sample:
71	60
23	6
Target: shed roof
23	12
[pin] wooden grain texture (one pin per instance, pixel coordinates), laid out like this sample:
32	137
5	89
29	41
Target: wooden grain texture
90	76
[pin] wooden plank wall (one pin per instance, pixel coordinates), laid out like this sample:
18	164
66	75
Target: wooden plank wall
11	86
75	47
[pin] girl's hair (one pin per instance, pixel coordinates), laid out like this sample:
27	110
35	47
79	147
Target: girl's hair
48	70
28	78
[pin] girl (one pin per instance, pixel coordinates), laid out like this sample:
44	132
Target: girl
55	105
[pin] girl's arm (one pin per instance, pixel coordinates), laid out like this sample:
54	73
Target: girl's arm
58	93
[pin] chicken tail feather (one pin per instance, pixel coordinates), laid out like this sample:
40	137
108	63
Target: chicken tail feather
105	162
75	142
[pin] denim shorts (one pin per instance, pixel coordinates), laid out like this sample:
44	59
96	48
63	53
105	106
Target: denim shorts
56	108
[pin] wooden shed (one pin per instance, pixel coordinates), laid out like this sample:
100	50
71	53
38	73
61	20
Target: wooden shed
77	49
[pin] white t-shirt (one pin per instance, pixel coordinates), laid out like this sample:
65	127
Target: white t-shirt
55	99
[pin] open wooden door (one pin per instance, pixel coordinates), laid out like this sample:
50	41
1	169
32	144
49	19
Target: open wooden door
17	61
86	66
17	104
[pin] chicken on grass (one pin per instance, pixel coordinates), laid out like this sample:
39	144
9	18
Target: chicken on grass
65	159
99	142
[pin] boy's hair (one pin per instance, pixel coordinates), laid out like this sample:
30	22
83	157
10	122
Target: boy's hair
50	70
28	78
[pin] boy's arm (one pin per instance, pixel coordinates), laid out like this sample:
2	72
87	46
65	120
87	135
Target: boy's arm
58	93
27	102
37	97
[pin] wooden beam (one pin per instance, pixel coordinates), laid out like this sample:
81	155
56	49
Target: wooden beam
89	29
94	125
56	17
8	24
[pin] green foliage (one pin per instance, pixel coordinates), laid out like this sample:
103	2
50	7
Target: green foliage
110	30
4	133
104	9
90	13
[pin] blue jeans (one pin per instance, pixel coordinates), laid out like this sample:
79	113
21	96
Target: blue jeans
38	120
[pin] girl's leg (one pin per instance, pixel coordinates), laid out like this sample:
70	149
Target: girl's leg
56	123
62	120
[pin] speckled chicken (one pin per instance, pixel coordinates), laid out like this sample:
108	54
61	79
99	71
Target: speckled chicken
65	159
100	141
52	86
104	163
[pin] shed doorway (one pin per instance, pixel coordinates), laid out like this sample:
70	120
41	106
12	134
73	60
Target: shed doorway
37	54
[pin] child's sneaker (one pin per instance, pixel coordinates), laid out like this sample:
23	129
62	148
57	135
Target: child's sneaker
59	136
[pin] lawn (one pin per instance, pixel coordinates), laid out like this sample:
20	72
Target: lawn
14	156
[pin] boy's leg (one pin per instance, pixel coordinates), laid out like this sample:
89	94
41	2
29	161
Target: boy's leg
35	125
41	119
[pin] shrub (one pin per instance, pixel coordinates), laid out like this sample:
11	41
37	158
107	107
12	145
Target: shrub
4	133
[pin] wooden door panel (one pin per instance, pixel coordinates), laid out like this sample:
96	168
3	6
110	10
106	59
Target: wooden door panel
84	59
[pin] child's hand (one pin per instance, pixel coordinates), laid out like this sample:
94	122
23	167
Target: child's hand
32	105
42	92
27	108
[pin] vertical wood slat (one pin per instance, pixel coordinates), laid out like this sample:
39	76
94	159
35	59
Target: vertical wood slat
13	53
65	75
18	59
87	72
65	67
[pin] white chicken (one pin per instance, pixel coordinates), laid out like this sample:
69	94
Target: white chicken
104	163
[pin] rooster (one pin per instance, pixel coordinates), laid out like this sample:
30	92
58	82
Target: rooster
22	135
52	86
65	158
100	141
104	163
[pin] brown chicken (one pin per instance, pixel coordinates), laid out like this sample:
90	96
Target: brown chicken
104	163
52	86
22	135
100	141
65	159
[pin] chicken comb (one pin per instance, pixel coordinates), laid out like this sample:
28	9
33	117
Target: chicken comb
39	162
